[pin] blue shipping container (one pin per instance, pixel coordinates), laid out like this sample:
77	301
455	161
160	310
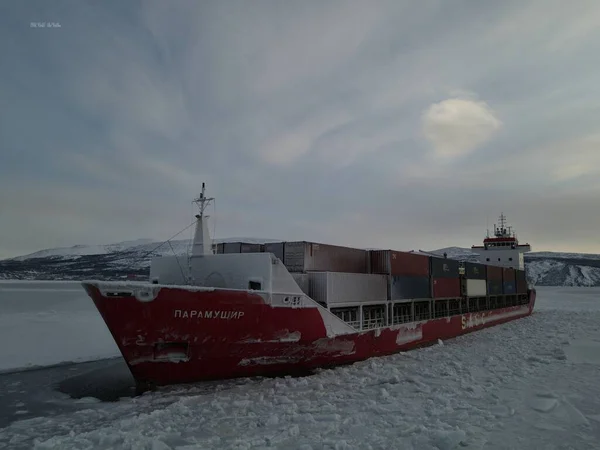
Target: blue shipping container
444	268
509	287
475	271
494	287
407	287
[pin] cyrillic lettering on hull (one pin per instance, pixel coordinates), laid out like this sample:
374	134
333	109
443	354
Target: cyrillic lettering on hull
207	314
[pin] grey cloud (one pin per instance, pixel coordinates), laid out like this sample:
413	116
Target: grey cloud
304	119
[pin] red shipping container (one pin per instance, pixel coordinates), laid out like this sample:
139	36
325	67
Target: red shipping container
392	262
303	256
494	273
521	287
446	287
521	282
508	275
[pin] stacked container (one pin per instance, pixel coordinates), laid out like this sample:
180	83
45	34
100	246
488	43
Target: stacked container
391	262
277	248
303	281
333	288
249	248
232	247
408	287
445	277
475	284
408	273
509	285
494	280
475	271
521	282
312	257
238	247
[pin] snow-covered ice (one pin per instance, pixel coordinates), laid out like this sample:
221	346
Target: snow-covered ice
49	322
528	384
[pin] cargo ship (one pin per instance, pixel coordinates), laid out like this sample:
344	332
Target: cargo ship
240	309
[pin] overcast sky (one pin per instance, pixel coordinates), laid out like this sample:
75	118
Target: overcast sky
402	124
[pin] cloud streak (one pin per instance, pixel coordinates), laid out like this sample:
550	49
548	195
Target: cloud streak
395	124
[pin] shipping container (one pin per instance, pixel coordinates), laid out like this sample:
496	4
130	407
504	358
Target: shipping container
341	287
220	248
509	287
494	273
444	268
521	282
475	271
392	262
303	281
446	287
276	248
403	287
232	247
494	287
508	275
405	263
475	288
249	248
313	257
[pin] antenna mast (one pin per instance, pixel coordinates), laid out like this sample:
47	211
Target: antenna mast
202	202
202	243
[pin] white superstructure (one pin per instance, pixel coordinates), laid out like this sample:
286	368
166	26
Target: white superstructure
503	249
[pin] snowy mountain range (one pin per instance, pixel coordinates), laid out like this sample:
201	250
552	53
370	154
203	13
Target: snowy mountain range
547	268
132	259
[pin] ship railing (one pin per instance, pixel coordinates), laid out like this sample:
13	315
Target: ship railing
440	308
401	312
377	315
374	316
373	323
454	307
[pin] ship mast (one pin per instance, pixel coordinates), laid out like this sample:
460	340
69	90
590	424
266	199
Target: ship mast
202	244
502	231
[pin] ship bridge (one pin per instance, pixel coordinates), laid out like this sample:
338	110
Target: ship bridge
503	248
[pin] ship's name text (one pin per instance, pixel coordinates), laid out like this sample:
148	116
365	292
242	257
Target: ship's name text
200	314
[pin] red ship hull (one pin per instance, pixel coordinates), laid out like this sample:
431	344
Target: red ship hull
183	335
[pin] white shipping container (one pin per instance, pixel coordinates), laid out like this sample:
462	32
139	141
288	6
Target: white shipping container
476	288
343	287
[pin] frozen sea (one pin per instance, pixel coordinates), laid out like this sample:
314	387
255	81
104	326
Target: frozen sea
529	384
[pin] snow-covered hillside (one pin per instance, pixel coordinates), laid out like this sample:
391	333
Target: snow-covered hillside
547	268
550	272
180	246
121	260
